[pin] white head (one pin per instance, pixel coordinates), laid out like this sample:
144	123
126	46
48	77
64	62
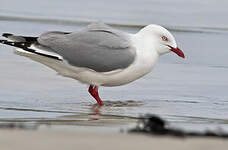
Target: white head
161	39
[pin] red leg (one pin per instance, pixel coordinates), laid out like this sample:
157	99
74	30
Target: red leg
93	90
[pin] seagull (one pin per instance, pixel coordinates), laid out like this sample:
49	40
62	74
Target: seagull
98	55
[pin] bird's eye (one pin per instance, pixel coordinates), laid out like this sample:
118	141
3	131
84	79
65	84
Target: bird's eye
164	38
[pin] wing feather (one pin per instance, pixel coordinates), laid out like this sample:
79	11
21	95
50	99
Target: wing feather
98	47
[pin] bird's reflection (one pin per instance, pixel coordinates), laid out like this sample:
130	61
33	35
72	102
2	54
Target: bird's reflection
95	112
98	112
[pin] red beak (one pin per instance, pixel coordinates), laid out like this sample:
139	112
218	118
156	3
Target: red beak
177	51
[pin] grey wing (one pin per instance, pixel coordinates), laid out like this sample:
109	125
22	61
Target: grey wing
98	47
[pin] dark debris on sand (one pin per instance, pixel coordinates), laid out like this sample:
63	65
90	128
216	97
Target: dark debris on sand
12	125
154	125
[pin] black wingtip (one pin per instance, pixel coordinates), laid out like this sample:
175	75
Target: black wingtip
3	41
6	35
15	44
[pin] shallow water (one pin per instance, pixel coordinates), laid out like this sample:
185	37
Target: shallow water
190	93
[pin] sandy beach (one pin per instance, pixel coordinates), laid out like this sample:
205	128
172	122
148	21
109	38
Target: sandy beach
99	139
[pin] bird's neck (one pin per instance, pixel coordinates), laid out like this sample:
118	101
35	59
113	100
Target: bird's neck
145	44
146	53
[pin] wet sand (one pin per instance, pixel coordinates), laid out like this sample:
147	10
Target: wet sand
95	138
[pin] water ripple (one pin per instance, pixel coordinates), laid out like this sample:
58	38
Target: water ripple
83	22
